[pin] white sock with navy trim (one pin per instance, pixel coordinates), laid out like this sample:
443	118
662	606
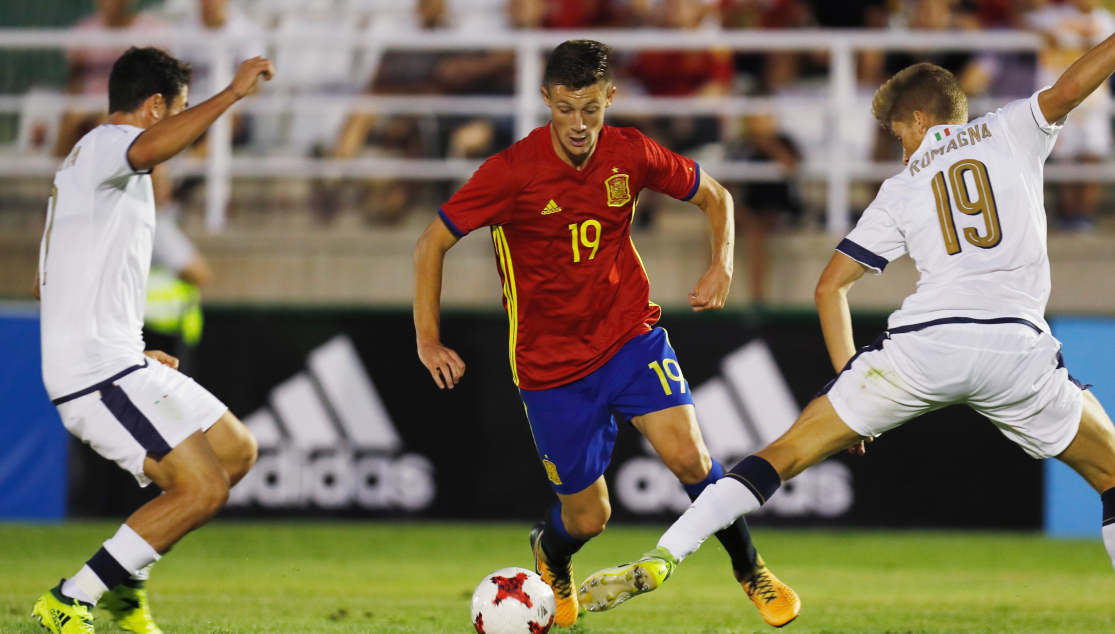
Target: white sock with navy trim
714	510
144	573
123	556
745	488
132	551
1108	498
85	586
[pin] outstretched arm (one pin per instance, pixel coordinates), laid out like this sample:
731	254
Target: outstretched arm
836	319
1081	79
716	202
429	257
170	136
832	306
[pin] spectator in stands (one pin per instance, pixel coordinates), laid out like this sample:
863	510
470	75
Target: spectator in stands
763	207
577	14
526	14
589	14
480	15
217	17
678	73
427	73
673	73
936	15
1071	29
89	71
925	15
90	67
772	72
848	13
1005	75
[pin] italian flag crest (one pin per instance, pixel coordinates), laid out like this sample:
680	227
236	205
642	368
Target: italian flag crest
941	135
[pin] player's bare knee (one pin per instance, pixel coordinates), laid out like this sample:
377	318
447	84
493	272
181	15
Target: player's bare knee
214	497
589	527
588	523
690	463
246	455
206	493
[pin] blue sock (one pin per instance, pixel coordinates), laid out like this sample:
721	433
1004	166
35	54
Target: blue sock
714	474
558	544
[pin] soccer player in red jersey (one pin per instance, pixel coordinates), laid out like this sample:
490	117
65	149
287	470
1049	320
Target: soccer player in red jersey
582	338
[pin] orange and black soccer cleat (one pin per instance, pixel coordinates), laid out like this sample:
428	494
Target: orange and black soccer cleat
559	577
777	602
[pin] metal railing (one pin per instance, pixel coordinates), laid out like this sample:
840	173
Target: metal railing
839	106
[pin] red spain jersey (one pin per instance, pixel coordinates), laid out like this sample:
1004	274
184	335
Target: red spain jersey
573	285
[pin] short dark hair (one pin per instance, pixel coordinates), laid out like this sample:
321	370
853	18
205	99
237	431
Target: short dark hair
142	72
577	64
925	87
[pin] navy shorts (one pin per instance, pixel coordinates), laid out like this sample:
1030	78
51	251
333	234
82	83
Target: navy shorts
575	425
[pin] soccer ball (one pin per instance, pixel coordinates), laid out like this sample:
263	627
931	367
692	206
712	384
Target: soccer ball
513	601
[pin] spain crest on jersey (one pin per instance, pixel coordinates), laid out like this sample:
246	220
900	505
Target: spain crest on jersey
619	194
551	472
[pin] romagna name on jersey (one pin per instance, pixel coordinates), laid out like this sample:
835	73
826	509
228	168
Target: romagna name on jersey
963	138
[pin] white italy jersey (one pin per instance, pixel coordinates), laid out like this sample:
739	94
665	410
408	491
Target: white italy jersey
93	263
970	210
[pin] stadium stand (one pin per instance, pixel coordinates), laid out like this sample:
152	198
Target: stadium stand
380	109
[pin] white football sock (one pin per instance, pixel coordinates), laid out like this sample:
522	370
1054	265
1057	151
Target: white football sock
144	573
85	586
1109	541
715	509
130	550
132	555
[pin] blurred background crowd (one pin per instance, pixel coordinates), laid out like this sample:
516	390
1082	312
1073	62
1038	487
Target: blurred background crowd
789	138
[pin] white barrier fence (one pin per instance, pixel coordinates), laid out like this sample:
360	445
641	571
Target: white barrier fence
838	110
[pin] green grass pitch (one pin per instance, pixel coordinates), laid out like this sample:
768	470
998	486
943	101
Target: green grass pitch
355	577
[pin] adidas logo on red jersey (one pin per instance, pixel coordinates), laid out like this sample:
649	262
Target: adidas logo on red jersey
551	208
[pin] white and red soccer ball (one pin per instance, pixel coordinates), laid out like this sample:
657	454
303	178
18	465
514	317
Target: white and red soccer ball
513	601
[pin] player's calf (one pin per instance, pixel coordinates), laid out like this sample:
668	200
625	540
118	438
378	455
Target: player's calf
817	434
1092	455
553	548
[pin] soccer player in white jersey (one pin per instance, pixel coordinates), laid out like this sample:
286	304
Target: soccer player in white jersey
969	210
131	406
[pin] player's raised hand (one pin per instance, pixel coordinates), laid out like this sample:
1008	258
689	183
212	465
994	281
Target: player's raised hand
444	364
712	290
163	358
247	76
